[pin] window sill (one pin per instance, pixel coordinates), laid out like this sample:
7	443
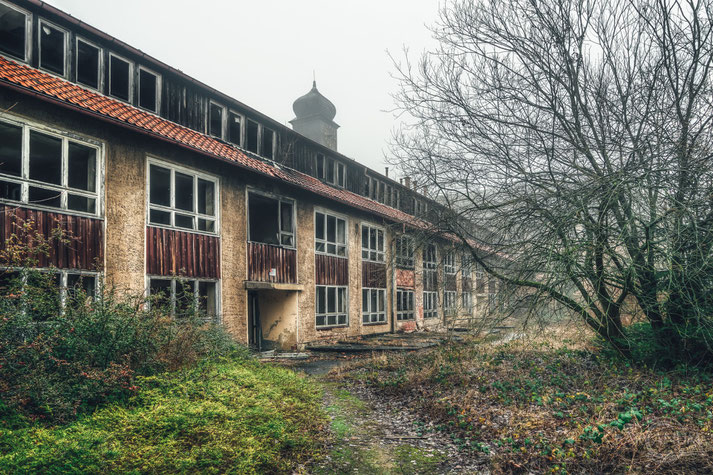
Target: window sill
183	230
331	327
373	324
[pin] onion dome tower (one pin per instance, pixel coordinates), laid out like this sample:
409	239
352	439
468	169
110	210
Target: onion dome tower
314	118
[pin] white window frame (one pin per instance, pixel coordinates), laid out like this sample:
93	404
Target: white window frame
28	33
327	313
100	75
380	254
63	188
223	120
430	265
63	279
370	316
405	314
467	302
450	304
158	89
430	304
324	241
241	139
334	179
131	78
172	209
405	243
175	281
67	43
449	262
280	200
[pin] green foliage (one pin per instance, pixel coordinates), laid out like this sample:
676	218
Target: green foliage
226	415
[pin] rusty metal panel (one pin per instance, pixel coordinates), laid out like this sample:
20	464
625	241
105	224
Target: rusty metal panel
331	270
81	246
405	278
262	258
373	274
171	252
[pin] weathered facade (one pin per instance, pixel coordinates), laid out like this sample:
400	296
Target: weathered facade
169	187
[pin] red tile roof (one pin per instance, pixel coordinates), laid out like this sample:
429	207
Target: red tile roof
65	93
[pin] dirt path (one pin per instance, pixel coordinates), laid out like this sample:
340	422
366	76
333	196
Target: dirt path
374	435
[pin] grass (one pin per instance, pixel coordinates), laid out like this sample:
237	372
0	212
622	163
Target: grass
230	415
550	407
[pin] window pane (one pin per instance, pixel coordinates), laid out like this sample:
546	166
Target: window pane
374	304
87	64
286	217
147	90
160	217
119	79
321	300
234	128
45	197
320	166
206	197
12	32
319	226
10	190
160	188
42	289
216	121
81	203
331	299
342	293
340	177
252	136
207	299
81	284
330	171
365	300
341	232
160	293
331	229
267	143
45	158
10	148
186	304
183	221
263	219
52	44
365	237
380	241
206	225
184	191
82	167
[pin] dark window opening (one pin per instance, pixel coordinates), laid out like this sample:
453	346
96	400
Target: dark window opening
206	197
320	166
81	203
160	189
87	64
234	128
79	285
184	191
52	49
9	190
13	32
160	294
10	149
271	220
330	171
215	125
252	136
340	175
82	167
45	158
45	197
268	143
119	78
148	87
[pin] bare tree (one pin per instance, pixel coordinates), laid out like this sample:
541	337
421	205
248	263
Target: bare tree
579	131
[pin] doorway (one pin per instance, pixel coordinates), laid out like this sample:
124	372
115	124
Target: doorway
254	325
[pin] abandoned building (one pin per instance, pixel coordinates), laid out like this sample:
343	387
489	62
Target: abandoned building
167	184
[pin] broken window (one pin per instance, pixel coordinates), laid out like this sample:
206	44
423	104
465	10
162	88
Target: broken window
372	243
268	143
373	306
449	302
148	90
235	122
271	220
13	31
119	78
404	305
331	306
88	64
252	136
449	262
182	199
330	235
58	172
341	175
53	48
183	298
404	252
430	304
215	120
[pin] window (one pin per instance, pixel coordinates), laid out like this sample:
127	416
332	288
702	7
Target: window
182	199
53	48
467	302
320	166
215	120
331	306
466	260
271	220
185	297
235	122
373	306
88	64
268	143
149	90
331	171
430	304
330	234
404	305
404	252
47	170
449	262
492	294
429	257
14	29
479	279
449	301
252	136
119	78
372	243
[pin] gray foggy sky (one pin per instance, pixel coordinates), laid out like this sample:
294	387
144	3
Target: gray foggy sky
262	52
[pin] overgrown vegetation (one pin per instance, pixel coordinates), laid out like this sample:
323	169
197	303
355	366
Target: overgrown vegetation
544	407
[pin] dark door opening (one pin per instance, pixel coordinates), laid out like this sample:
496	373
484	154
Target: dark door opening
254	325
